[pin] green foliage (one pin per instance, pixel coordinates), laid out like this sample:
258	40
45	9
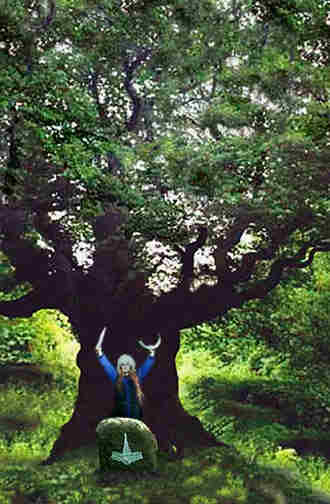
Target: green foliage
15	341
237	100
222	341
36	340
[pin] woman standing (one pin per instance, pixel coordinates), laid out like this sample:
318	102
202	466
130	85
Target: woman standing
128	393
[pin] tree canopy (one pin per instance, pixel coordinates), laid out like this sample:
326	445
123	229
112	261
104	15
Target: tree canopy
196	124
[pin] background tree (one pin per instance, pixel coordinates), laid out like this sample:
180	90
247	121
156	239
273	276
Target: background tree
196	124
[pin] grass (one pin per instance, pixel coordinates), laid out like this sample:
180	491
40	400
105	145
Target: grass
255	471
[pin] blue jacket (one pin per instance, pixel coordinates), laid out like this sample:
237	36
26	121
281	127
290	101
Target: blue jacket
127	404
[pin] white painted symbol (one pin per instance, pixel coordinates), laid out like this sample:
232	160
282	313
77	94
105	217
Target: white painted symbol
126	456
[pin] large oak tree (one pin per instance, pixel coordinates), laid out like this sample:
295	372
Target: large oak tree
192	123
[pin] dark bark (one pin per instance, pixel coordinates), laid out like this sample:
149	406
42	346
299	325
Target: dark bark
113	294
162	410
130	67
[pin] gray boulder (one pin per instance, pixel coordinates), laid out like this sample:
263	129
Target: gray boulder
126	444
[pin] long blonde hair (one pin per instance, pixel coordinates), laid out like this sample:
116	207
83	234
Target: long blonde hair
135	379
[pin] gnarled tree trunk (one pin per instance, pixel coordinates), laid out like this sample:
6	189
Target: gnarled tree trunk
113	293
162	410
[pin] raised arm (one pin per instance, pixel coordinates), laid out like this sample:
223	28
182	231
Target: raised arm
146	366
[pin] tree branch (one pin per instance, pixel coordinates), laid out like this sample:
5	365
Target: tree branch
13	162
187	257
64	191
62	242
188	309
277	234
220	254
30	303
22	253
137	102
50	272
95	92
261	288
35	29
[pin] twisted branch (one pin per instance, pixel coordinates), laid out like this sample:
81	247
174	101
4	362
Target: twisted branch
220	254
187	257
261	288
277	234
137	102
